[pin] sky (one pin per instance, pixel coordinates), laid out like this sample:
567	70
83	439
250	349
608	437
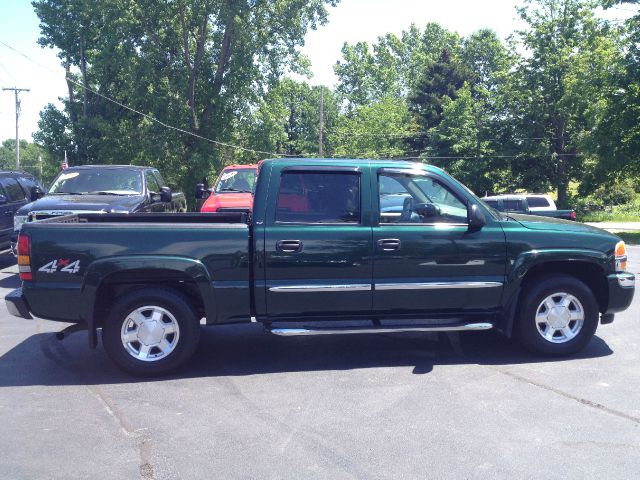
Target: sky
351	21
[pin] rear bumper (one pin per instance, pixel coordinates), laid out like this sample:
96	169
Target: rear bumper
17	304
621	290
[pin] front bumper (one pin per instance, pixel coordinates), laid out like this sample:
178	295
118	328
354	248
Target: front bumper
621	290
17	304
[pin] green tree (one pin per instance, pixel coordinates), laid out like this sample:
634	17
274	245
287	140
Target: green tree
377	130
201	66
388	67
556	80
287	120
438	83
33	159
616	131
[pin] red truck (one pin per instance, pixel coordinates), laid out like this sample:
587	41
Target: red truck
233	190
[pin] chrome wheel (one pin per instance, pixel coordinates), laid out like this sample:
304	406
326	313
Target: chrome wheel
150	333
559	317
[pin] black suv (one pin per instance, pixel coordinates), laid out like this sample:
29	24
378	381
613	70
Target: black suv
16	189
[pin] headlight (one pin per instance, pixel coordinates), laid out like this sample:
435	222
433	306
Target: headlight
18	220
621	256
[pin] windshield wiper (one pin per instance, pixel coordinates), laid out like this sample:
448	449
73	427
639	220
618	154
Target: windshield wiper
106	192
235	190
67	193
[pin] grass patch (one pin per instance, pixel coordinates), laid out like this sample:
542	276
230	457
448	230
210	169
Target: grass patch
630	238
609	217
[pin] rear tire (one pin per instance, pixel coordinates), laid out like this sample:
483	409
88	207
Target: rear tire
151	332
558	315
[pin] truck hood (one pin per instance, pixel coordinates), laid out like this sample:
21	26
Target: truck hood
534	222
94	203
227	200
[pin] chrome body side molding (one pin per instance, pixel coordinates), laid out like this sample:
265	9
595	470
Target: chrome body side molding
359	287
435	285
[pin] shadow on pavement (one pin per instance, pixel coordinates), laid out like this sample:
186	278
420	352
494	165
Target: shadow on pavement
12	281
249	350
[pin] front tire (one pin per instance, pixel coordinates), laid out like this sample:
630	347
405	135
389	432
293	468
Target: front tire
151	332
558	316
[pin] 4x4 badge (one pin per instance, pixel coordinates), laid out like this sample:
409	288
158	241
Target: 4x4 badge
62	265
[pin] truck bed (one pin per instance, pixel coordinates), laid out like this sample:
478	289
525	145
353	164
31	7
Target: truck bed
210	250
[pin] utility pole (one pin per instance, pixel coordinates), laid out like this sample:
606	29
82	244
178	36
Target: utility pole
321	120
16	91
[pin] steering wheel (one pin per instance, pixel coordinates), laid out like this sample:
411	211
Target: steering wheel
407	210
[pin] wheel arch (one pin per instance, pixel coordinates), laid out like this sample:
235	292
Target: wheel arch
106	279
587	266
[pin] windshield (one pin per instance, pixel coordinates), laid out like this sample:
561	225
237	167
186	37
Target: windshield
105	181
236	180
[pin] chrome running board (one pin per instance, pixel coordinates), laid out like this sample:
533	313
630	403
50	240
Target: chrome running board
292	332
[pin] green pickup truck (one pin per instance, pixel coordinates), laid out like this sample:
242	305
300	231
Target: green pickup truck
331	247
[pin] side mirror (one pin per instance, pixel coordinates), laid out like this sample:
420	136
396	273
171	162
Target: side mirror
36	193
3	199
201	192
475	218
165	194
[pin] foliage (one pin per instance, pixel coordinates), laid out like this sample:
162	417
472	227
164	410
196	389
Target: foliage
33	159
556	105
377	130
630	238
388	68
287	120
201	66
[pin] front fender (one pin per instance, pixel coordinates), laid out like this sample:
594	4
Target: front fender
526	260
523	263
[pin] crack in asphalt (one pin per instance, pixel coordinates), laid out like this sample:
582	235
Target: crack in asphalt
141	435
557	391
53	349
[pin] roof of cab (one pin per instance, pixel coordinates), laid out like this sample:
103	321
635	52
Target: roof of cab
82	167
387	163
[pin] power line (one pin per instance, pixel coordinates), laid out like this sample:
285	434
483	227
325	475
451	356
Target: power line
615	7
403	156
145	115
8	73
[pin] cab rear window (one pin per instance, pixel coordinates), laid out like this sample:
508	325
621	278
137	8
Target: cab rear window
313	197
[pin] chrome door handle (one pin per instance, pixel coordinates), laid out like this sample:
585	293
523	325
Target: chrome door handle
389	244
289	246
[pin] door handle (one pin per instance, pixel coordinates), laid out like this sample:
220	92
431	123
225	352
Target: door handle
389	244
289	246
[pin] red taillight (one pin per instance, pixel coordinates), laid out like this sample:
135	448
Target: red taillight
24	257
573	215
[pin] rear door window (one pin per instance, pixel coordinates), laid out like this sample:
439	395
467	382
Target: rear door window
13	189
318	197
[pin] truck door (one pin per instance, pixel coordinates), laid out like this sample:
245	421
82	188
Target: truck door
16	198
426	261
318	247
6	217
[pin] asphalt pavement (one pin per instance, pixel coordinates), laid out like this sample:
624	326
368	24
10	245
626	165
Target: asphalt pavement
253	405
